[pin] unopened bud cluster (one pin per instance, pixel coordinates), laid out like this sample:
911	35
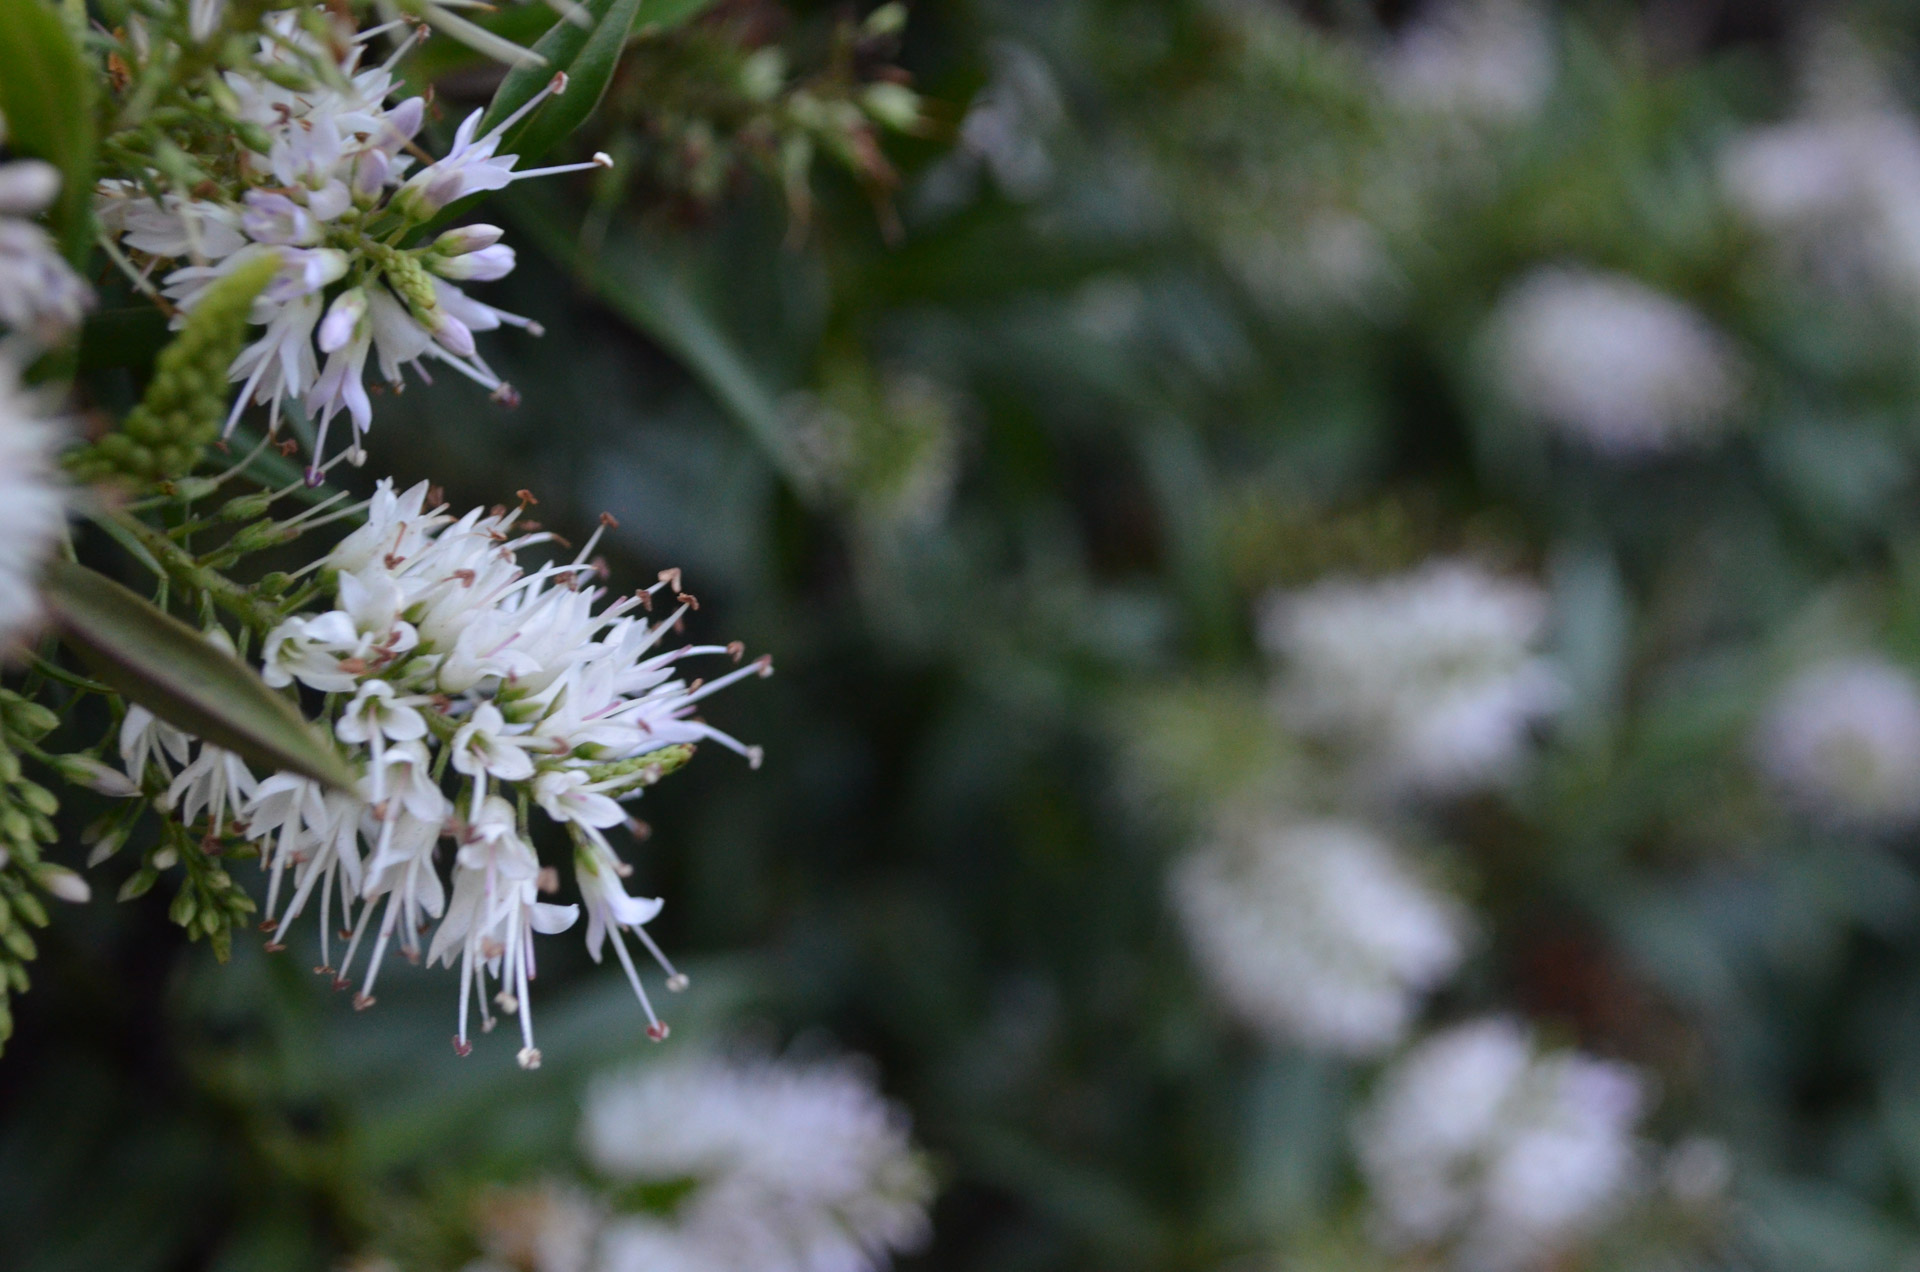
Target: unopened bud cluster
26	826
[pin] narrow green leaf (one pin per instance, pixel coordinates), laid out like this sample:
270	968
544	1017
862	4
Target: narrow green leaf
46	96
588	54
174	672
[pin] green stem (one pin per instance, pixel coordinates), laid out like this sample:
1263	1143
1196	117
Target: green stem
181	566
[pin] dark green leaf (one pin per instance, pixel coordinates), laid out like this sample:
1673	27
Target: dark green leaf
588	55
45	94
174	672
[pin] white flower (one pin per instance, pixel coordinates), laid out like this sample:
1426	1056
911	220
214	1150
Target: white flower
1493	59
1317	932
1842	738
1433	675
1478	1143
41	298
216	783
492	918
1011	123
1612	363
789	1168
1839	194
32	504
339	158
454	663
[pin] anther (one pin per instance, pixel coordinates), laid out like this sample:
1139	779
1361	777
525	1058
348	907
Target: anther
658	1031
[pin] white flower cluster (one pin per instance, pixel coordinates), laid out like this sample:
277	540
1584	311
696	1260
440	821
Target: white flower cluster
786	1167
1842	739
1432	676
1840	195
1492	59
1479	1144
1612	363
331	200
1318	932
444	650
32	508
41	298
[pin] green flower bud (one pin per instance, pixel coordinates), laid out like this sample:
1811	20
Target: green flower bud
187	398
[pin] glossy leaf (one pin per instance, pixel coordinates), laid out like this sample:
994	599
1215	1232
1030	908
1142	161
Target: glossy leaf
174	672
588	55
46	96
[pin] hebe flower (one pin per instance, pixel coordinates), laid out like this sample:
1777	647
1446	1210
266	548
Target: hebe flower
331	200
1317	933
1481	1144
449	663
41	298
32	504
1842	740
1432	677
782	1167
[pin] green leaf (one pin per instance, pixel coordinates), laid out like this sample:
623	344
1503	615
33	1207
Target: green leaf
46	96
174	672
588	55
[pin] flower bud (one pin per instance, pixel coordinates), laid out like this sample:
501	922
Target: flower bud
84	770
893	105
64	884
27	185
344	315
467	238
483	266
452	334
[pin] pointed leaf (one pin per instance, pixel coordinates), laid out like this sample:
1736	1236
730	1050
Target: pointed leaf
588	54
173	671
46	97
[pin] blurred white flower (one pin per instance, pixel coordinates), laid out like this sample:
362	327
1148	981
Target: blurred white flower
32	507
787	1167
1840	193
1611	362
1317	932
1488	58
1842	738
1479	1144
1009	125
1433	674
41	298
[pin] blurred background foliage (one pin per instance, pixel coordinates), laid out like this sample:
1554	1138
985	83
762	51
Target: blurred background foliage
995	435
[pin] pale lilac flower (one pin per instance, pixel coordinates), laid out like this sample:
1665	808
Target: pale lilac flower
1317	932
788	1167
1479	1144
